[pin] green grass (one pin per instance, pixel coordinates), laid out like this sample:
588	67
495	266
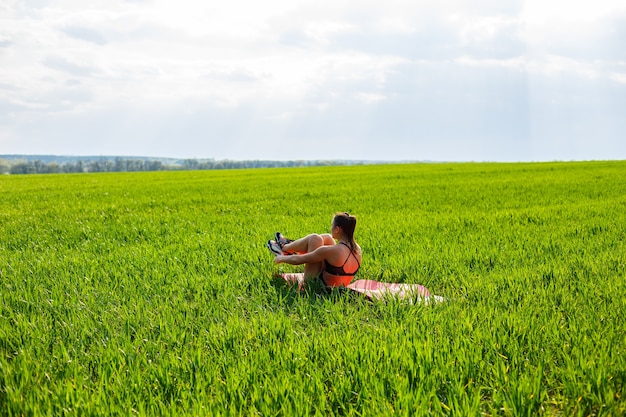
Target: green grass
153	293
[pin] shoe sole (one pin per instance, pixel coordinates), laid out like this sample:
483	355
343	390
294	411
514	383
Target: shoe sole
273	248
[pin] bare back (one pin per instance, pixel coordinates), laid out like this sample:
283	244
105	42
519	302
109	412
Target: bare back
344	260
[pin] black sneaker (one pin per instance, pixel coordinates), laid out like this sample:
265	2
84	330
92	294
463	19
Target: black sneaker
274	247
282	240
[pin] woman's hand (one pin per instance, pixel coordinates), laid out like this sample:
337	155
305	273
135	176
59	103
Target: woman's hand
279	259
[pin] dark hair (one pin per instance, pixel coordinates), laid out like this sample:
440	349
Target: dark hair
347	223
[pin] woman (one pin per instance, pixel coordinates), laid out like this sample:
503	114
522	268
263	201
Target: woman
334	257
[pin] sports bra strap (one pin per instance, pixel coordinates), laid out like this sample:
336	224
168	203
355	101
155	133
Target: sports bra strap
338	270
351	253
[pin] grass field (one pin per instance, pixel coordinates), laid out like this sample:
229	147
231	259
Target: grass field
153	293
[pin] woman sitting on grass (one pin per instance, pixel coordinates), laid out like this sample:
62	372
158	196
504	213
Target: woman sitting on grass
335	263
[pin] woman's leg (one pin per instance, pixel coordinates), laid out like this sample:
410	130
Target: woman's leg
328	239
309	244
315	270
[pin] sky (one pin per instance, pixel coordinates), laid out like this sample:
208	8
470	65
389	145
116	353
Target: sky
394	80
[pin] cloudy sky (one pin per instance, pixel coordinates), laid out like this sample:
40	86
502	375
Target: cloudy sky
481	80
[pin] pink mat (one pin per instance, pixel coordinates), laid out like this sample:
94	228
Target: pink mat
377	290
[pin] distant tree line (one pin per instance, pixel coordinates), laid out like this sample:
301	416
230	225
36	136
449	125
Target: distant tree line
139	165
117	165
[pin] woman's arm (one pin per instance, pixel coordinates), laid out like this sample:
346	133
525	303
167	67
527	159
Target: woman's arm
318	255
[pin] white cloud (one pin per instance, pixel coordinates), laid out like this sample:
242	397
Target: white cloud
547	12
437	80
619	77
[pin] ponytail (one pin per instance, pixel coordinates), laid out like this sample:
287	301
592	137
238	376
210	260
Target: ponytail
347	223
